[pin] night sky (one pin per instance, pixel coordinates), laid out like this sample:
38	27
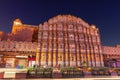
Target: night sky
105	14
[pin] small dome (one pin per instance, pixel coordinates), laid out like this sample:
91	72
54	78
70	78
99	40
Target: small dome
17	22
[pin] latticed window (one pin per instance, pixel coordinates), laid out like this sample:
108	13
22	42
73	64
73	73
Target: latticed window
72	47
75	28
76	37
81	37
50	47
45	34
50	35
50	27
96	47
54	48
71	36
72	58
59	27
65	35
98	39
80	28
60	58
70	27
83	47
45	45
66	46
40	27
45	27
84	29
19	45
96	32
25	46
92	31
60	35
14	46
40	34
61	46
54	27
54	35
94	38
8	46
88	31
3	46
0	46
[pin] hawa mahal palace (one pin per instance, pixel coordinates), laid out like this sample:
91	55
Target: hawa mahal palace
64	39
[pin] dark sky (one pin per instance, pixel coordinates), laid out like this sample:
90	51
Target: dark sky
105	14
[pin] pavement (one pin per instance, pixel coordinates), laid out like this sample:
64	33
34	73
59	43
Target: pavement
11	72
92	78
10	75
110	78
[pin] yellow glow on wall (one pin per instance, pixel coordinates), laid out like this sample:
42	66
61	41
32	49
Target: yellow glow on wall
17	23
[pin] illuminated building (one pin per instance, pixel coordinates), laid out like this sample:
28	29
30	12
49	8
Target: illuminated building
17	53
19	48
63	40
22	32
3	36
68	41
111	55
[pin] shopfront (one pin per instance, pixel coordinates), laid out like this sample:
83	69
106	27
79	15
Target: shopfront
21	61
114	63
15	59
31	61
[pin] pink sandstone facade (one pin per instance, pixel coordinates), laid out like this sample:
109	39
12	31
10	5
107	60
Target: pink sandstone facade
21	32
69	41
64	39
17	53
111	55
3	35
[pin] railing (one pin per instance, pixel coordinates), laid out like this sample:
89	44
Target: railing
44	74
72	74
100	73
39	74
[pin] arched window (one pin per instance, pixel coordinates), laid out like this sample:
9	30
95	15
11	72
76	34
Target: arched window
80	28
71	36
72	47
40	34
3	46
50	27
44	47
45	27
40	27
45	34
81	37
94	38
54	27
50	46
59	27
83	47
96	48
98	39
61	46
70	27
60	34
